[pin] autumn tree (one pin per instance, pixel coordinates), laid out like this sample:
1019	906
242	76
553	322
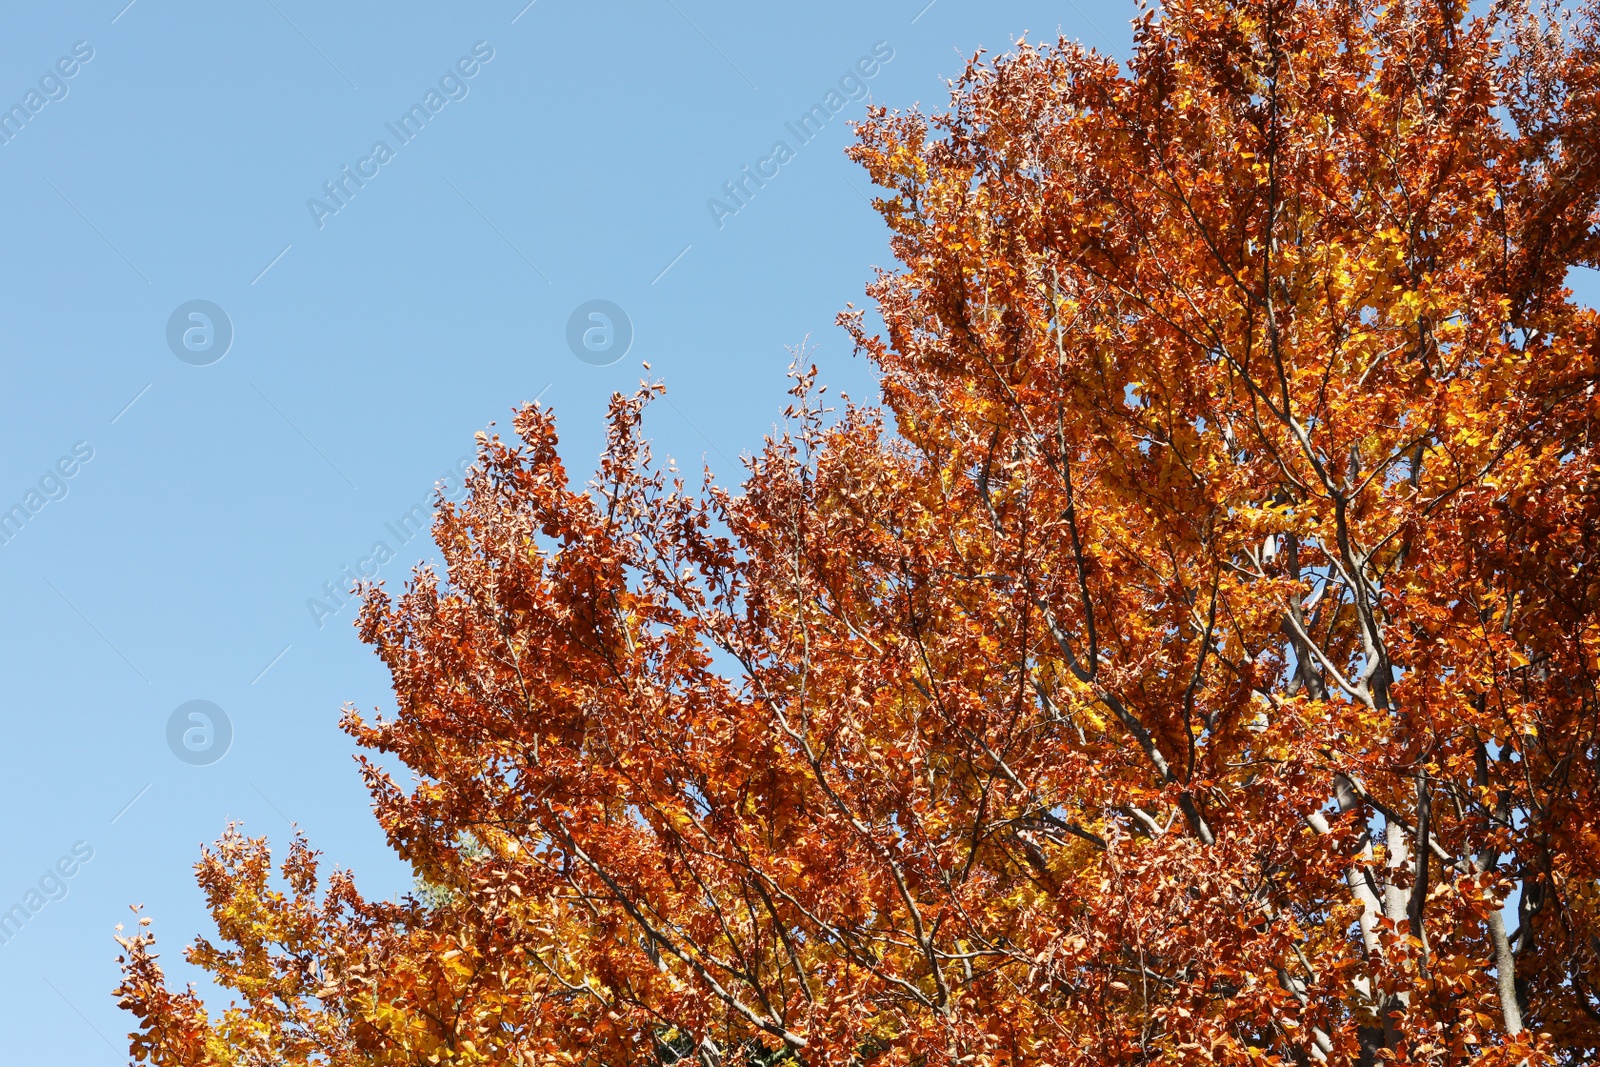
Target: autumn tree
1192	660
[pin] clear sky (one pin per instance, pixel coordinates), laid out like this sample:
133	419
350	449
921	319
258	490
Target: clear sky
185	508
242	343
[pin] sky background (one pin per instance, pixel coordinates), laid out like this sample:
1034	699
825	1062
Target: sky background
366	352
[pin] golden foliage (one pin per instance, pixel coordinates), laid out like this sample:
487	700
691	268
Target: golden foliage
1184	669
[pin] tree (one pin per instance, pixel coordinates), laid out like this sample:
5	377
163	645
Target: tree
1193	660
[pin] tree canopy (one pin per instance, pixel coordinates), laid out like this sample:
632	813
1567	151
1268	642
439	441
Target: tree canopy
1192	659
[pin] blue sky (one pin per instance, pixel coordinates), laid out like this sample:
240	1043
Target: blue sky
193	507
188	507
